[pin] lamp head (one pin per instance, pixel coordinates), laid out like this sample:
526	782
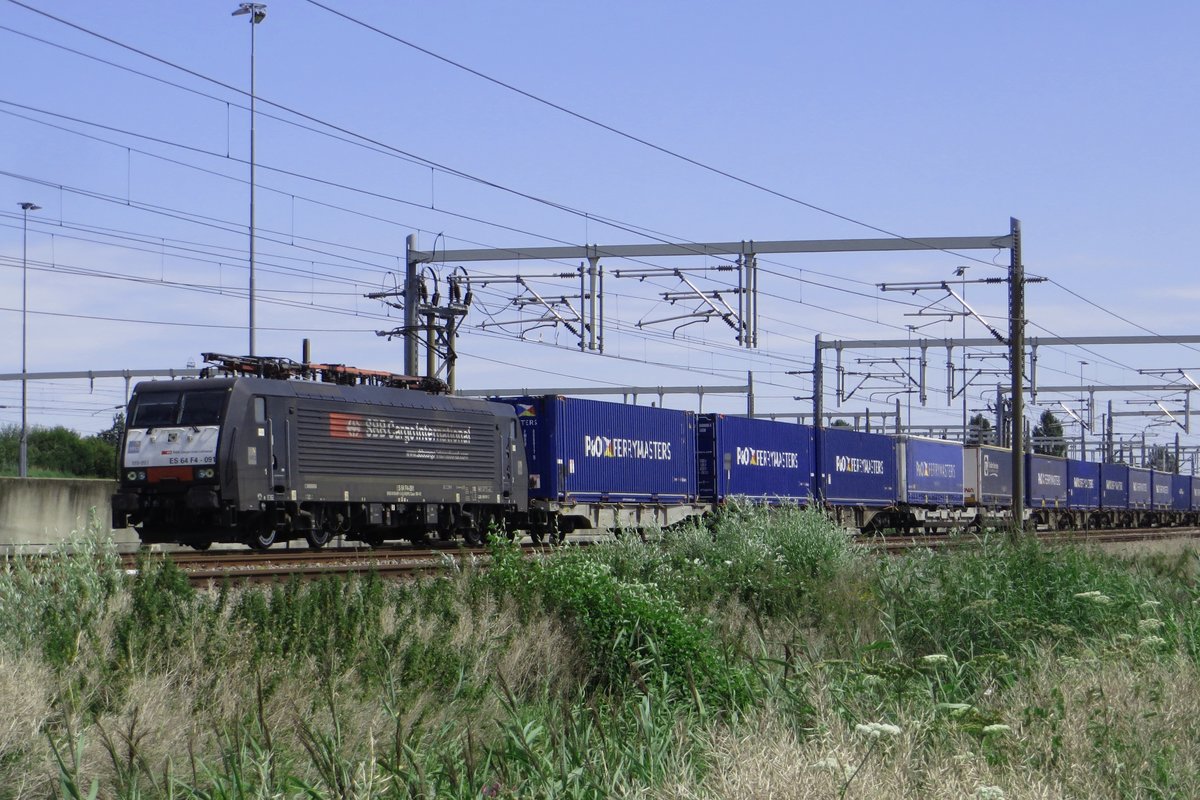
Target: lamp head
29	206
257	11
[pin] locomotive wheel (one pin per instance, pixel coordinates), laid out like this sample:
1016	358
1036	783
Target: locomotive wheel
200	545
317	537
536	536
473	536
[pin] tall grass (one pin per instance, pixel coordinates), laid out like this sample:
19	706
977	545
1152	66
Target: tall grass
758	654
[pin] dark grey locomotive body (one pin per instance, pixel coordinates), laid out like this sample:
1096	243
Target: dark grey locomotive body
256	460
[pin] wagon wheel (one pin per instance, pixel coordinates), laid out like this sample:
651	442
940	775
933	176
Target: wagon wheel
318	537
536	535
473	536
261	540
200	545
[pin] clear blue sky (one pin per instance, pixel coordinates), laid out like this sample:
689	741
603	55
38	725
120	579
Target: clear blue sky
922	119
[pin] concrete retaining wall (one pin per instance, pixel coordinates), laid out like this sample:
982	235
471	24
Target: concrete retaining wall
35	512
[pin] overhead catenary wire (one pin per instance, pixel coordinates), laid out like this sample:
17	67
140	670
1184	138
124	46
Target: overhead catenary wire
863	318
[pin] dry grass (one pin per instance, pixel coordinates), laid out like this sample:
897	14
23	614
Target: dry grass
769	762
25	708
1116	725
1119	725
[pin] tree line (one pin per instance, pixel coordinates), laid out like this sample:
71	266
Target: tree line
61	452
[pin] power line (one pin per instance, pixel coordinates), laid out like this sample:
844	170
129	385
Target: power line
629	136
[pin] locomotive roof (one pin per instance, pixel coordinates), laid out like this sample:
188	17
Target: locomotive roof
317	390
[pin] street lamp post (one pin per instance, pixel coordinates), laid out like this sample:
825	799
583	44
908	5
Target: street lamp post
257	12
23	457
962	273
1082	422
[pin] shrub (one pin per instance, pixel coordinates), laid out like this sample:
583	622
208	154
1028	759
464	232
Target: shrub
52	603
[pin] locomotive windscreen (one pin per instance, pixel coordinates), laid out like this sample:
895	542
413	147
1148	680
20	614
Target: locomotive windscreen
160	409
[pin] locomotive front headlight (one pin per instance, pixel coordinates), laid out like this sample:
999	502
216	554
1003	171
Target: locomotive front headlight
141	476
131	475
205	472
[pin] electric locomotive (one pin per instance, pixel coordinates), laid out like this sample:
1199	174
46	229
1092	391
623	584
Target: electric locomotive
256	456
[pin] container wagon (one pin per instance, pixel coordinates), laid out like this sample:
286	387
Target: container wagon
1046	490
603	465
931	482
761	460
987	485
1083	492
858	478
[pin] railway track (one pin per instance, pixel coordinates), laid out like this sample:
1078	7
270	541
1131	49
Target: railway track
407	561
203	569
901	544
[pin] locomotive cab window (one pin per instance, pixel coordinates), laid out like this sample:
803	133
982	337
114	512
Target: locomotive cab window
158	409
202	408
154	410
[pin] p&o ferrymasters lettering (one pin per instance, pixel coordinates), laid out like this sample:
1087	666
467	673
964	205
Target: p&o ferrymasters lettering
750	457
926	469
868	466
1049	479
1084	483
605	447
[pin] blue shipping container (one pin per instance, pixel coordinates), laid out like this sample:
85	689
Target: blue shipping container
1181	492
1195	505
1139	488
759	459
1045	481
590	451
856	469
931	471
1161	488
1083	484
1114	486
988	476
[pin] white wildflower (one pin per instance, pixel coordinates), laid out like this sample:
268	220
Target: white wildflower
872	680
936	658
877	729
729	563
830	763
1094	596
1150	605
1153	641
988	793
954	709
1150	624
999	727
